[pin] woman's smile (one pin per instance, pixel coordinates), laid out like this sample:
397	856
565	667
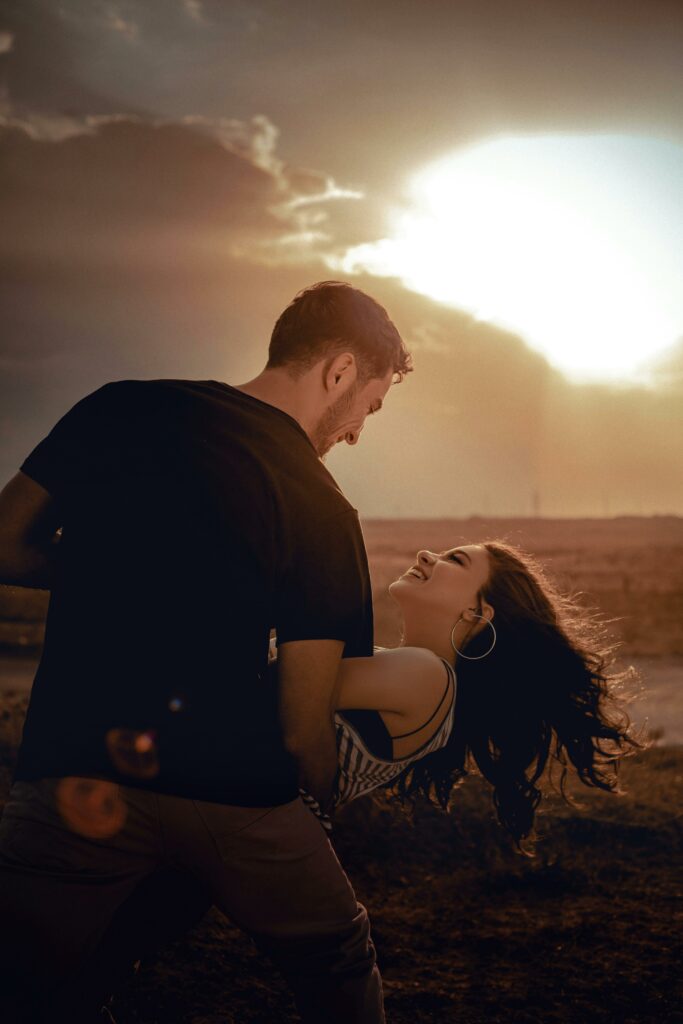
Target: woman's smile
416	572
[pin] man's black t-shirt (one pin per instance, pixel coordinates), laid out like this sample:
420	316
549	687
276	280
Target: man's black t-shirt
195	519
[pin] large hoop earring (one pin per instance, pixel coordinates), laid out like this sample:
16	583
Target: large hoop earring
478	657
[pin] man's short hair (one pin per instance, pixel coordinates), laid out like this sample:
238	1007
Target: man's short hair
331	317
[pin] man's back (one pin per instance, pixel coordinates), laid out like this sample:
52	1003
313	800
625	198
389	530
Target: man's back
195	519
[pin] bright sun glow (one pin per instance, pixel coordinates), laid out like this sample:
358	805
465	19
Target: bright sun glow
573	242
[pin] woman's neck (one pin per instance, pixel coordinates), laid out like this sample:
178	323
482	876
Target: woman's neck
438	637
437	643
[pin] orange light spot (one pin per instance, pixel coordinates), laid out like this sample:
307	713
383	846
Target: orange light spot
133	753
93	808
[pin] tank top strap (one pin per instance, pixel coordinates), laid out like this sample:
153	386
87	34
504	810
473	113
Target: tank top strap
450	676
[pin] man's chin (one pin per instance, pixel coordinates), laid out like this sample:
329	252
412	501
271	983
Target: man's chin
324	448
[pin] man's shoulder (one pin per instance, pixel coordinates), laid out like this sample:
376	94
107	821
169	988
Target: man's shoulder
145	395
120	390
161	385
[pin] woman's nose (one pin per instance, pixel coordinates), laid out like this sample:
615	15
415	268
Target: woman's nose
426	556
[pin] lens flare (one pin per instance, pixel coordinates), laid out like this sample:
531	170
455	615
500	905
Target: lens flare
133	752
92	808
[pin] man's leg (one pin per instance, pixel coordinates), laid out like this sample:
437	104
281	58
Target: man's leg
59	888
274	873
160	910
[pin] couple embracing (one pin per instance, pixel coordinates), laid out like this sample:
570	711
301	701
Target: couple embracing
185	528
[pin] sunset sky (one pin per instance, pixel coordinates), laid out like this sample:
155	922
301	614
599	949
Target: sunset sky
505	176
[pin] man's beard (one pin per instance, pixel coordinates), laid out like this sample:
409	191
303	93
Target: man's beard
324	436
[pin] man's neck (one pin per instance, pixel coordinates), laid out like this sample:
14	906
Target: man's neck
291	395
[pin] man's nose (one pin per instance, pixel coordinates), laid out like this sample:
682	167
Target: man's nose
351	436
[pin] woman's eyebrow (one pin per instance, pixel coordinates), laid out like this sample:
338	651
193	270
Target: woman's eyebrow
459	551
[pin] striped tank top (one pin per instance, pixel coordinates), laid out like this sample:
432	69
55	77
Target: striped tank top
361	771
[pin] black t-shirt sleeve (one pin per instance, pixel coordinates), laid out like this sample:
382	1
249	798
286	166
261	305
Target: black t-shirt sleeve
67	456
324	593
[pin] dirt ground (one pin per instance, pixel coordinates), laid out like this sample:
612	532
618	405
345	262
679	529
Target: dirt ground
467	930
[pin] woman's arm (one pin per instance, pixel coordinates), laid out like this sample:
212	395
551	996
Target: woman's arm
405	681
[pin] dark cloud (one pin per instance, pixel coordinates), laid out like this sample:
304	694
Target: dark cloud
121	179
367	91
43	70
115	188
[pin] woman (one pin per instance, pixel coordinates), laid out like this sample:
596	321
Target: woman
531	688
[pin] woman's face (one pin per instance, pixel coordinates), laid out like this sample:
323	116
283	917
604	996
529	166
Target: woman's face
445	584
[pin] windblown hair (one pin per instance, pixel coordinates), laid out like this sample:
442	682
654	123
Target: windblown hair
542	697
331	317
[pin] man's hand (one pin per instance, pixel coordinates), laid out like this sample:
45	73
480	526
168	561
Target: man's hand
28	527
307	674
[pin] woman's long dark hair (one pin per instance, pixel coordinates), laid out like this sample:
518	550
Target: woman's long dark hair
543	695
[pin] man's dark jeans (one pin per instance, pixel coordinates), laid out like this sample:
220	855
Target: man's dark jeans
271	870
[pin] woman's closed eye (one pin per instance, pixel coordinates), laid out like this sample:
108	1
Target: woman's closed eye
456	557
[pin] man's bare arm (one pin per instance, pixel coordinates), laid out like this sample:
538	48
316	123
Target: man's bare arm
307	674
28	529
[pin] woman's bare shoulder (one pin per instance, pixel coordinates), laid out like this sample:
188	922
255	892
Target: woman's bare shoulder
407	660
403	680
423	654
417	678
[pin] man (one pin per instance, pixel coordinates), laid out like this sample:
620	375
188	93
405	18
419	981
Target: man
194	518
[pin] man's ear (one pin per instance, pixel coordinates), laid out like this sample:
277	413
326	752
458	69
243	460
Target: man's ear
340	372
